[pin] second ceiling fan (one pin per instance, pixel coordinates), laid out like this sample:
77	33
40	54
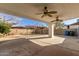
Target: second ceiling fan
57	19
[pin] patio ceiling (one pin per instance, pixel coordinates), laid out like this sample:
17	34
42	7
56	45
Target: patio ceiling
29	10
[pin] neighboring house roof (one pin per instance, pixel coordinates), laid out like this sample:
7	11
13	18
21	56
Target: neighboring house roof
18	27
74	21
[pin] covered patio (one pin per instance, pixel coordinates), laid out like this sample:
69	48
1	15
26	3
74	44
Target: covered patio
40	44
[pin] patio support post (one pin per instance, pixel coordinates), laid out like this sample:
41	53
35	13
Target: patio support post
51	29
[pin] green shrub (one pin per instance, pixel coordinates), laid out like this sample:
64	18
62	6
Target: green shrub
4	27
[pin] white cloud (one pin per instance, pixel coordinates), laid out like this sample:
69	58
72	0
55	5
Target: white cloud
10	18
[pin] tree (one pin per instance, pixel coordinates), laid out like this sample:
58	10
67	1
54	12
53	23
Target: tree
4	27
59	25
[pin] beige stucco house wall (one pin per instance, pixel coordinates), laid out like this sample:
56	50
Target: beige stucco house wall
25	31
21	31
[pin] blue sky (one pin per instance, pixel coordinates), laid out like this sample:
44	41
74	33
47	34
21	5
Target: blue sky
71	21
21	21
25	21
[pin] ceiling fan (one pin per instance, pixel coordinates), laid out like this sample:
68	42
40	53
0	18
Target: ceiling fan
46	12
58	23
57	19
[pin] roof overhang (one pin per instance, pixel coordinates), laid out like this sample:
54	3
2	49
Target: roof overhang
29	10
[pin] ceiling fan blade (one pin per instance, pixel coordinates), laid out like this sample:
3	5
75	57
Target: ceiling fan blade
39	13
61	20
53	21
57	18
49	15
52	12
42	16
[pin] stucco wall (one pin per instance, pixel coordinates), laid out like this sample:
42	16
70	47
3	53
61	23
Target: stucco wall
28	31
21	31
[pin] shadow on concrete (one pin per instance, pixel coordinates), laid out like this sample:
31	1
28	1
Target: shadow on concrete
55	50
19	47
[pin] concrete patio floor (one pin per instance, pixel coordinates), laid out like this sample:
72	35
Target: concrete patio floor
38	45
